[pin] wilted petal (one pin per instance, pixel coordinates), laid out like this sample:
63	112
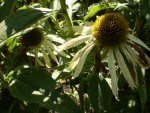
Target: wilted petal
132	64
142	55
124	68
37	58
73	42
136	57
55	38
48	43
82	60
138	41
46	58
55	49
51	53
76	58
112	71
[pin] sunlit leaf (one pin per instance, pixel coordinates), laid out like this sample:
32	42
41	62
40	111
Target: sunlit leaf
30	84
37	86
21	20
95	94
95	9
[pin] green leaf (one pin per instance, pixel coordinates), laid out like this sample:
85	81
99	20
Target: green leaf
60	74
22	20
30	84
95	9
106	94
7	8
37	86
62	103
100	93
95	94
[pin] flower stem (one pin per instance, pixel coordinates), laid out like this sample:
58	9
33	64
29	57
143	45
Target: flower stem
66	16
81	95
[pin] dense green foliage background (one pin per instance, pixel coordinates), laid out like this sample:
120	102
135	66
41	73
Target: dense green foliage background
26	88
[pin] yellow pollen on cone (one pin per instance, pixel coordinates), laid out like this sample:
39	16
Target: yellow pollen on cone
110	29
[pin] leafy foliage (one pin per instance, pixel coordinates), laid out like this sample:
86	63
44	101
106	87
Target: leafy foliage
38	80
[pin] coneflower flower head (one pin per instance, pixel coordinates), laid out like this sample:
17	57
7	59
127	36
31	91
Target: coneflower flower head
41	46
110	29
110	32
33	38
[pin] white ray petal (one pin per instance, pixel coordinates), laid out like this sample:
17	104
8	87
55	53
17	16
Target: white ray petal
128	56
73	42
48	43
55	48
124	68
46	58
138	41
75	59
55	38
132	52
51	53
112	71
82	60
136	57
37	58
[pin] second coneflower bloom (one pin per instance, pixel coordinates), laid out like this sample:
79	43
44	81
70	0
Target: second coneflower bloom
110	33
41	47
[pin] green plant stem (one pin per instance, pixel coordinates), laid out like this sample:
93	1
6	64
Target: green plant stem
57	25
66	16
81	95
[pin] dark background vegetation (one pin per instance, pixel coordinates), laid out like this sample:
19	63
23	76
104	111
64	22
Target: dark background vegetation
137	13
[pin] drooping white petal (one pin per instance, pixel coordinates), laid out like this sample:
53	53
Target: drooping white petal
76	58
55	48
138	41
55	38
133	62
124	68
73	42
127	54
82	60
112	71
46	58
48	43
37	58
51	53
136	57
